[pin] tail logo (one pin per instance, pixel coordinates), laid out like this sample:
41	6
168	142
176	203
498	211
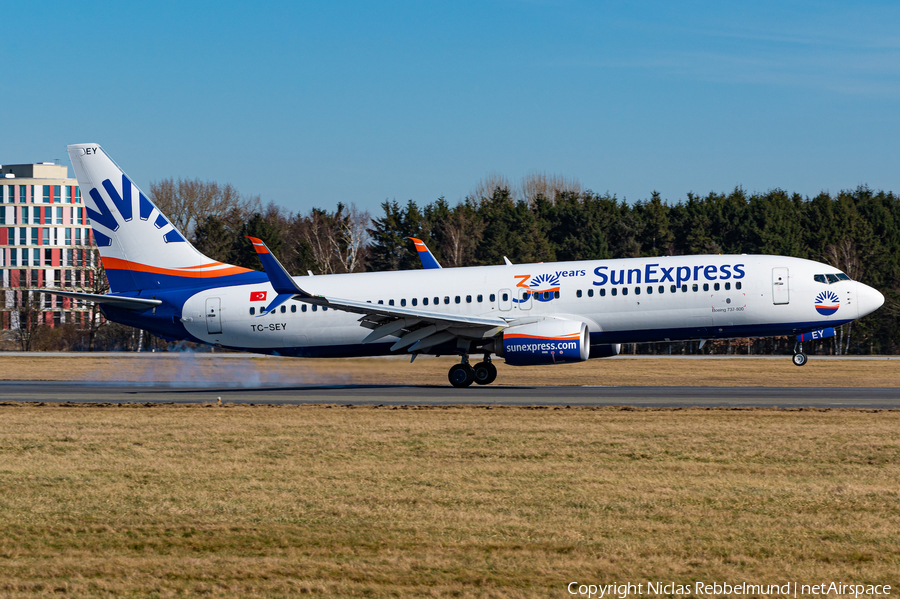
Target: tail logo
104	216
827	303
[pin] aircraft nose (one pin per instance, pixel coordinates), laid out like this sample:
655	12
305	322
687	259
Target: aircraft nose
868	300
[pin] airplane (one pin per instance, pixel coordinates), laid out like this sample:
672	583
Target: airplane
526	314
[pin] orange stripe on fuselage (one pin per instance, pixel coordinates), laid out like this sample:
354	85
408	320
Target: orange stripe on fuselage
119	264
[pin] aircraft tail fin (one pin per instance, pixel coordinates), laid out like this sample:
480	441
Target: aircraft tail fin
140	248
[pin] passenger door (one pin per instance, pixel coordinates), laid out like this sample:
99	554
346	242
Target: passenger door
524	299
780	290
505	299
213	315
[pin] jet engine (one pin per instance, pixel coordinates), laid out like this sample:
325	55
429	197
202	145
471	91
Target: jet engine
546	342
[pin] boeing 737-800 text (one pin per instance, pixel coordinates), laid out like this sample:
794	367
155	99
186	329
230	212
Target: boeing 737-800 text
547	313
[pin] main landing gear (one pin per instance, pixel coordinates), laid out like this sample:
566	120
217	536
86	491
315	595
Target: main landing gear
463	375
799	358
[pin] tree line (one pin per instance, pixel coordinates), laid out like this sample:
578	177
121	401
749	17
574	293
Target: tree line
549	218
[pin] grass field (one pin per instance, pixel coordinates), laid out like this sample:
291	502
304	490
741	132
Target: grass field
247	369
440	502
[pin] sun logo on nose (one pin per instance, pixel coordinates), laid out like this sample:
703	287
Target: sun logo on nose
827	303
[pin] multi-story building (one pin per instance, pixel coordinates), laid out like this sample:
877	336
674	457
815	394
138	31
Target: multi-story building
45	241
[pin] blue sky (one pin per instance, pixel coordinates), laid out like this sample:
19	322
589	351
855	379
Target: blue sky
308	104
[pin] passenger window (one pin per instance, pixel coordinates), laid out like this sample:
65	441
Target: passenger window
737	285
303	308
556	295
578	293
493	298
624	290
437	301
252	311
727	286
505	297
546	295
324	308
637	290
684	288
293	308
415	301
705	286
673	288
603	292
662	289
695	287
590	293
649	289
403	302
831	279
716	286
447	299
390	302
468	299
614	291
381	302
315	307
457	299
283	309
480	298
819	278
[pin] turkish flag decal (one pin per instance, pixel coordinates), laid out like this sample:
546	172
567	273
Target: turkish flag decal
257	296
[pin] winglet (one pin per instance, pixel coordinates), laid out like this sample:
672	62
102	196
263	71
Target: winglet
282	282
425	255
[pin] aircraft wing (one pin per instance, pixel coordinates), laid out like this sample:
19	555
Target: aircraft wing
418	330
117	301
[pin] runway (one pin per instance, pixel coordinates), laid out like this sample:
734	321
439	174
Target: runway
493	395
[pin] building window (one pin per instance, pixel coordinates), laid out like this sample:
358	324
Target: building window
68	236
45	237
22	194
2	215
14	257
59	217
35	233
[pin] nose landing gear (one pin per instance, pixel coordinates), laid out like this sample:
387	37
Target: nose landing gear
799	358
463	375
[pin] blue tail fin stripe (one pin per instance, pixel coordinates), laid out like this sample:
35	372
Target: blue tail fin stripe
124	205
104	217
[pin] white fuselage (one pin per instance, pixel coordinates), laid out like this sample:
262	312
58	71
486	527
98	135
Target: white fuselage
627	300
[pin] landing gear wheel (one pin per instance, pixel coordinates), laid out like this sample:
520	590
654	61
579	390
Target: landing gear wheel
485	373
461	375
800	359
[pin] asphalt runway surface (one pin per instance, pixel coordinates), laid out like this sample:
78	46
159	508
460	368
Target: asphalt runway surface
396	395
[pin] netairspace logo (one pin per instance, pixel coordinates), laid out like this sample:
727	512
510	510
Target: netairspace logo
790	589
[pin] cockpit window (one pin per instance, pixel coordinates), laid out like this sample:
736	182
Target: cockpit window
831	278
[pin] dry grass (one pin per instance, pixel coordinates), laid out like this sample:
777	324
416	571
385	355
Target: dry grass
430	371
466	502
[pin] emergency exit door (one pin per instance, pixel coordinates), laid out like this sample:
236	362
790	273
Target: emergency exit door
213	315
780	291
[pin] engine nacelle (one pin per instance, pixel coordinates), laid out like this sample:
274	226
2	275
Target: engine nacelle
546	342
605	351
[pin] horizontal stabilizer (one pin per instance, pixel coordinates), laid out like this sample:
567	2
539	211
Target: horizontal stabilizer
117	301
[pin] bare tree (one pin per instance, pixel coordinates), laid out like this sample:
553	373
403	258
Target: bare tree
27	318
537	183
187	202
485	188
844	256
337	239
